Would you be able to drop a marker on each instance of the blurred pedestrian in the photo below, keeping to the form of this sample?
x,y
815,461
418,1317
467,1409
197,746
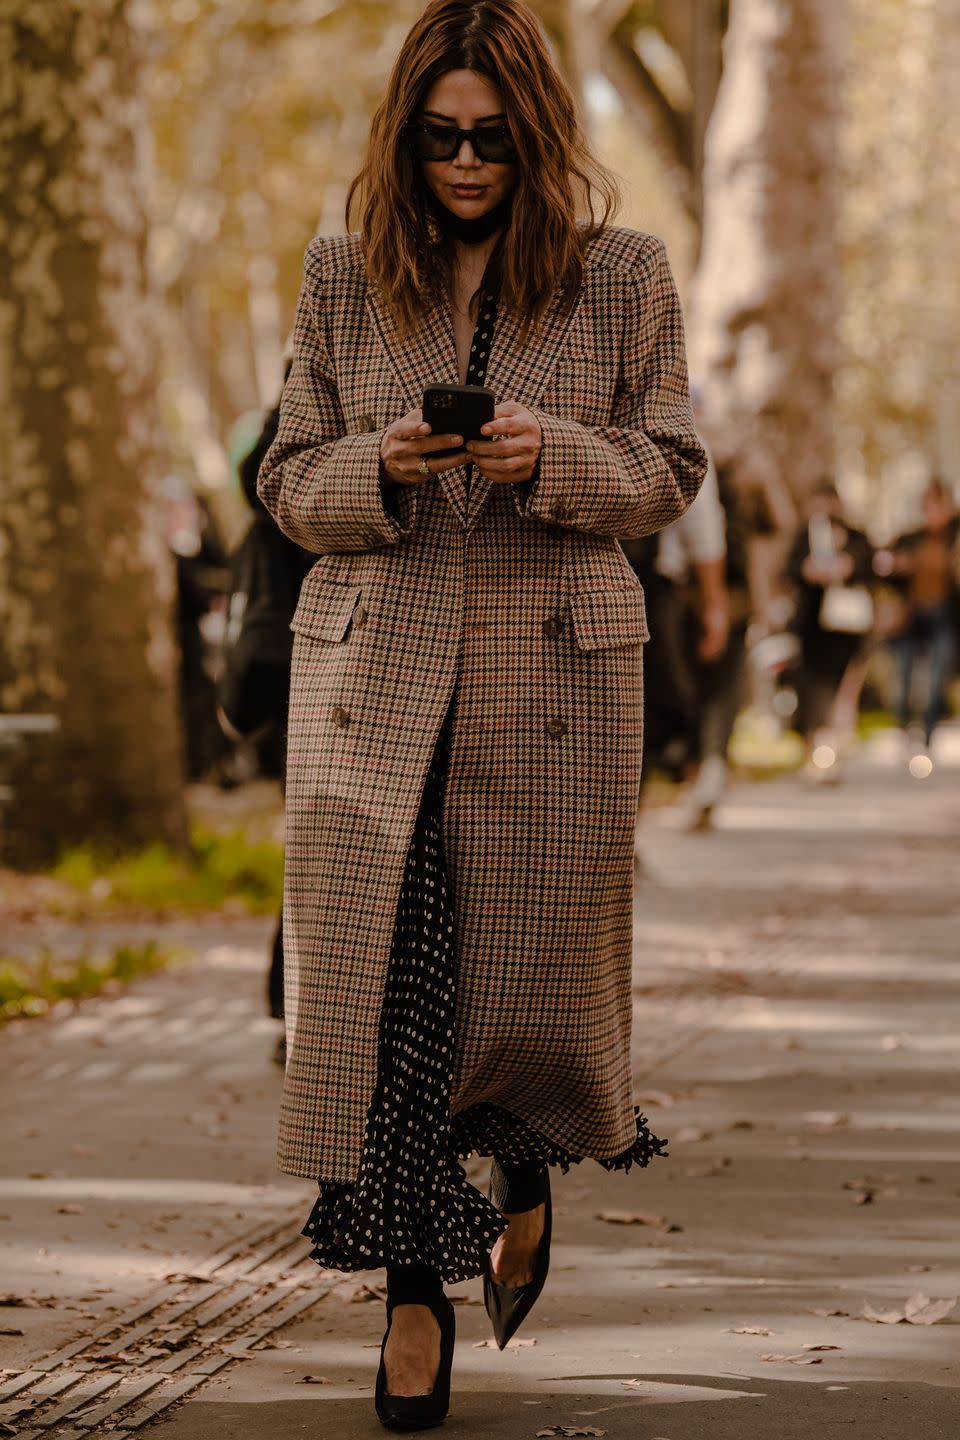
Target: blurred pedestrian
x,y
465,726
202,573
682,572
721,679
923,565
831,568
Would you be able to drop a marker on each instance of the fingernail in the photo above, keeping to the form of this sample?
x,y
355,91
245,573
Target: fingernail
x,y
456,439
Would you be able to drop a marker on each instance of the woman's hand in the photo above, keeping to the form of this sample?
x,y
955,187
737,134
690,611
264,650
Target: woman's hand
x,y
510,456
407,445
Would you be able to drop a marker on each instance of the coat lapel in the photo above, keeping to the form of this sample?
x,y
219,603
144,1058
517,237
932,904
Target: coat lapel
x,y
427,357
520,372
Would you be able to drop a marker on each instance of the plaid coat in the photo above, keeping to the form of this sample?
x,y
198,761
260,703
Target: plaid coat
x,y
522,601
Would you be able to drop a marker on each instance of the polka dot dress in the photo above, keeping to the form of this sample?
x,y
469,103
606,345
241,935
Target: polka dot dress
x,y
411,1200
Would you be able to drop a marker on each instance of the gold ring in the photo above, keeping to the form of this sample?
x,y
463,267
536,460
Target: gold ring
x,y
423,467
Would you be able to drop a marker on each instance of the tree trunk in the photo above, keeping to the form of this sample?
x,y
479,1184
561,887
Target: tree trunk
x,y
765,303
87,583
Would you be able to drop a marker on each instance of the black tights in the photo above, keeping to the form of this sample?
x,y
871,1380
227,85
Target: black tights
x,y
517,1188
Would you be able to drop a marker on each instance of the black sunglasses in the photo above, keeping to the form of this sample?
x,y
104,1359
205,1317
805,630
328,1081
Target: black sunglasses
x,y
493,144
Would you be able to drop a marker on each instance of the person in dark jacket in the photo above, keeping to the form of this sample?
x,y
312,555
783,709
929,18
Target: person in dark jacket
x,y
923,564
831,566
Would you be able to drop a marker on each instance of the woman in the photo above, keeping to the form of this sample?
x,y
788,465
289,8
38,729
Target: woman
x,y
465,734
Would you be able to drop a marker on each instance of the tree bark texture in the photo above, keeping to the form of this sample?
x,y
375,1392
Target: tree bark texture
x,y
766,294
85,577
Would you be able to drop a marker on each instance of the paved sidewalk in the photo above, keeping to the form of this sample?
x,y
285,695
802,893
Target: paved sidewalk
x,y
796,987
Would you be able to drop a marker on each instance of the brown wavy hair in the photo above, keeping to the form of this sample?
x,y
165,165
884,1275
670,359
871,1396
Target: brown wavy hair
x,y
563,196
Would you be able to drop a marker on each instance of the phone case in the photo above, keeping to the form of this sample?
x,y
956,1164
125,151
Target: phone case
x,y
457,410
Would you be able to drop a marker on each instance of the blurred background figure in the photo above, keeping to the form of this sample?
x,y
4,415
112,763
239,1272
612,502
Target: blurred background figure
x,y
831,568
254,688
202,581
682,572
923,565
720,670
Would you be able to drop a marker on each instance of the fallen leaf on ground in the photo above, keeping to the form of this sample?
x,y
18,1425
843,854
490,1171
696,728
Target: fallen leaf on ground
x,y
313,1380
829,1314
655,1097
366,1292
70,1210
569,1430
825,1119
795,1359
691,1135
631,1384
918,1269
751,1330
823,1347
882,1317
181,1277
8,1330
740,1125
921,1310
637,1217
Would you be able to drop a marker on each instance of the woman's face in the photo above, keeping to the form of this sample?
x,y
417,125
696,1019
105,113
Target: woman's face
x,y
466,184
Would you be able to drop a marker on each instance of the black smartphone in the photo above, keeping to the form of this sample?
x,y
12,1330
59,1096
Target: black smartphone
x,y
457,410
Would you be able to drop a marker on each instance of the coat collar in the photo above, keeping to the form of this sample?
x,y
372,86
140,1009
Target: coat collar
x,y
515,371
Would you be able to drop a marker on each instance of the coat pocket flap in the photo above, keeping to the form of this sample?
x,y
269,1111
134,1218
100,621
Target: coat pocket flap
x,y
605,618
324,610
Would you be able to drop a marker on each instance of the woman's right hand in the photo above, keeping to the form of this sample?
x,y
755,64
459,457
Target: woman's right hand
x,y
408,442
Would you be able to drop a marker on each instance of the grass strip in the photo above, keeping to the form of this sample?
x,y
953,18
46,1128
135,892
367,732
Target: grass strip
x,y
31,986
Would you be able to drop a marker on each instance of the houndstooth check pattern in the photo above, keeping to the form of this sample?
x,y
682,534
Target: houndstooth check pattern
x,y
518,605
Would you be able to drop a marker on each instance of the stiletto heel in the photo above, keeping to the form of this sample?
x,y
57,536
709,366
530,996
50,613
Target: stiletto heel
x,y
419,1412
509,1305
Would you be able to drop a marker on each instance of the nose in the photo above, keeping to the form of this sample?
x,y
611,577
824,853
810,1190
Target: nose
x,y
467,156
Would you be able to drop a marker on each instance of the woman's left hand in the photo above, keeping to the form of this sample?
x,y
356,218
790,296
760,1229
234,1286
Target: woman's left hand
x,y
512,456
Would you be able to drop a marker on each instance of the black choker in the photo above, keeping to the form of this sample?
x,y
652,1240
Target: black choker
x,y
472,232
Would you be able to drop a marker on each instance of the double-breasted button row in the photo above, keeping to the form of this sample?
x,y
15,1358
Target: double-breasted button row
x,y
556,728
340,717
561,511
366,425
360,616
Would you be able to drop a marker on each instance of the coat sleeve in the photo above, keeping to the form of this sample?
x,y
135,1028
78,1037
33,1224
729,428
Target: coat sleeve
x,y
322,486
639,473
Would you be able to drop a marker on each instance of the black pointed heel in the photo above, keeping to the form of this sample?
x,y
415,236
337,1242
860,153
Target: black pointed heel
x,y
419,1412
509,1305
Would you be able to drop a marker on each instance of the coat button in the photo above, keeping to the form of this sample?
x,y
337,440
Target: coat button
x,y
556,728
560,511
553,627
366,424
340,717
359,616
